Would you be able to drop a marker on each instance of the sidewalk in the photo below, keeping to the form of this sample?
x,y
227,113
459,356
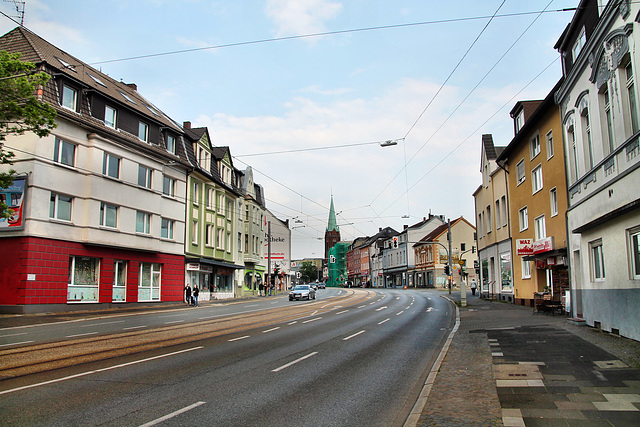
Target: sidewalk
x,y
507,366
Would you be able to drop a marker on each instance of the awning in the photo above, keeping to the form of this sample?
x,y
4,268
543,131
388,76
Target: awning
x,y
545,255
213,262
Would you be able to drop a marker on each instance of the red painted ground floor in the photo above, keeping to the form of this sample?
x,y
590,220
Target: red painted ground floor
x,y
39,274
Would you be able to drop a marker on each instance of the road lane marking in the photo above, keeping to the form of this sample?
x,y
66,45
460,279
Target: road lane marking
x,y
292,323
294,362
354,335
362,306
385,320
173,321
83,374
399,313
312,320
381,308
134,327
239,338
15,343
13,335
429,310
100,324
171,415
341,312
271,330
81,335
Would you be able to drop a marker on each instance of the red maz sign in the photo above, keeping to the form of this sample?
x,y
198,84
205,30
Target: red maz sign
x,y
524,247
543,245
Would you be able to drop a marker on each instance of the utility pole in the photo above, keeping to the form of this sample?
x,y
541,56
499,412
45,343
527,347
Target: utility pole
x,y
450,275
269,255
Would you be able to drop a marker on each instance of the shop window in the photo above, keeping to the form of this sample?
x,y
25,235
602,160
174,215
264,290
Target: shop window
x,y
149,284
83,279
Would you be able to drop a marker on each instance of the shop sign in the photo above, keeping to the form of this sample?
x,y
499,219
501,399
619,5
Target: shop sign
x,y
543,245
540,264
524,247
206,268
193,266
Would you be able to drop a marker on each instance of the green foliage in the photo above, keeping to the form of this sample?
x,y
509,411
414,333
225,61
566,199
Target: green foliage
x,y
308,271
20,109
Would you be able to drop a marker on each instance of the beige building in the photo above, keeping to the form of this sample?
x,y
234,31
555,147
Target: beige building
x,y
537,201
492,222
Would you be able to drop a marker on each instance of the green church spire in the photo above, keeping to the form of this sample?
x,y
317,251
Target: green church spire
x,y
333,223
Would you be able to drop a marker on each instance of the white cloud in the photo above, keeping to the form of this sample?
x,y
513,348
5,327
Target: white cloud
x,y
297,17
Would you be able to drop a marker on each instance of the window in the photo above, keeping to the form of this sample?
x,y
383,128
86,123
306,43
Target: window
x,y
64,152
520,172
571,137
111,166
526,269
119,281
171,144
125,96
579,44
220,203
96,79
488,219
166,229
144,176
108,215
194,233
519,121
540,227
168,186
69,98
196,193
597,260
498,222
110,115
534,146
220,238
149,285
208,235
553,195
60,207
550,151
480,227
633,104
504,211
211,198
586,125
83,279
536,179
524,218
143,132
634,240
143,222
608,117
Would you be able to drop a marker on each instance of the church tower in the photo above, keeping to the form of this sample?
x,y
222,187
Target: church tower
x,y
332,234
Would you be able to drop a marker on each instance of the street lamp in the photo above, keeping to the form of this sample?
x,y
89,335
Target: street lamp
x,y
389,143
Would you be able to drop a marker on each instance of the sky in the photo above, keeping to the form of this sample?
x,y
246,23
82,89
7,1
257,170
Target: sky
x,y
305,91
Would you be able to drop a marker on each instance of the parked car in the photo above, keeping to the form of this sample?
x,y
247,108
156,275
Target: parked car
x,y
302,292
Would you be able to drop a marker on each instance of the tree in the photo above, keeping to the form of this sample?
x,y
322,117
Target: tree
x,y
308,271
20,109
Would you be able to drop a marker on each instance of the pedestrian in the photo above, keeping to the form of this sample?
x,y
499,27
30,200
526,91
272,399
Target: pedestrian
x,y
260,289
196,292
187,294
473,286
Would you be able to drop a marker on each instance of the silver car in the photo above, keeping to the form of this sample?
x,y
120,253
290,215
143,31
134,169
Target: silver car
x,y
302,292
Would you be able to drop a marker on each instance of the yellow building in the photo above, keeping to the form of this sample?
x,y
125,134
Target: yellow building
x,y
534,160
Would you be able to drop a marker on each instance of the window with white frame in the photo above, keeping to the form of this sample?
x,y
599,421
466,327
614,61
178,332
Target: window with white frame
x,y
196,193
149,285
220,203
210,197
119,293
143,132
634,246
519,121
597,260
523,216
144,176
108,215
498,221
520,172
64,152
194,232
536,179
588,141
534,146
553,196
488,219
110,116
208,235
631,93
550,149
166,228
84,274
526,269
111,165
608,115
505,218
573,159
60,207
579,44
228,242
171,144
220,238
540,227
69,98
143,222
168,186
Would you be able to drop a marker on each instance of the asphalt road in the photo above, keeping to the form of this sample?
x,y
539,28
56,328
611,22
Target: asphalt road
x,y
352,357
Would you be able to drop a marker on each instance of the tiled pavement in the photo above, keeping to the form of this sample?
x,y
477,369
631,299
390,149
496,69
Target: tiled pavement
x,y
506,366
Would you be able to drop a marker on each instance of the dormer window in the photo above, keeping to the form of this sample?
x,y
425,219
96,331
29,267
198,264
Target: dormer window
x,y
519,121
69,98
143,132
171,144
110,114
579,44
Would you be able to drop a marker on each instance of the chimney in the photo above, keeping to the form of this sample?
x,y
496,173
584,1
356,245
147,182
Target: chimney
x,y
132,86
405,226
186,125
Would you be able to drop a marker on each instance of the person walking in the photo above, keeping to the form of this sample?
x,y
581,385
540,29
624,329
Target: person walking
x,y
187,294
196,292
473,286
260,289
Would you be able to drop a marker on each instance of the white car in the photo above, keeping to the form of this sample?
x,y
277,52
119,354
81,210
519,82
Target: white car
x,y
302,292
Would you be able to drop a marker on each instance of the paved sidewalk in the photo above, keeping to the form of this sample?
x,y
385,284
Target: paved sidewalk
x,y
507,366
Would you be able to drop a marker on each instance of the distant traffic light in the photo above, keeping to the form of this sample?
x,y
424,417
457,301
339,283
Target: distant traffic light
x,y
446,269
